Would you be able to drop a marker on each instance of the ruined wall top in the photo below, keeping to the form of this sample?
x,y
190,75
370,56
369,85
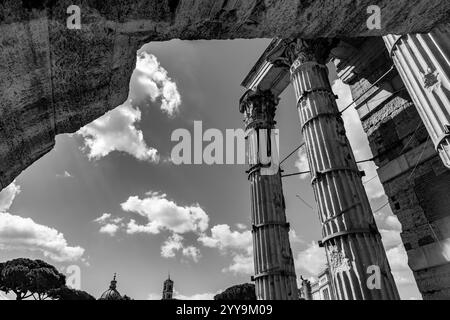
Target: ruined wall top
x,y
223,19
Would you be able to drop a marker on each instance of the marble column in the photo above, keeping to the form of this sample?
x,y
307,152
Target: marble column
x,y
423,62
274,277
358,264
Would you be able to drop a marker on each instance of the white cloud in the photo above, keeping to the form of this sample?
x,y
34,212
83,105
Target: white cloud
x,y
224,239
164,214
237,244
109,225
293,238
302,163
390,238
161,214
197,296
66,174
179,296
241,226
156,83
7,196
389,227
117,130
17,233
387,221
133,227
192,253
174,244
117,220
103,218
109,228
312,259
398,260
171,246
241,264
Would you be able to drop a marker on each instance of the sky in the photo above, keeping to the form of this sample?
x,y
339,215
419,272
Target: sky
x,y
107,199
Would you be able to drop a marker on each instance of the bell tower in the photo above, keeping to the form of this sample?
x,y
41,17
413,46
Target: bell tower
x,y
167,289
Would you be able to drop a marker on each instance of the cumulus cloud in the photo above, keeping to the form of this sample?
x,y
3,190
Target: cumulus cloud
x,y
237,244
312,259
224,239
398,260
171,245
161,214
390,238
17,233
117,130
241,264
7,196
109,228
389,227
388,221
108,224
294,238
156,83
192,253
174,244
164,214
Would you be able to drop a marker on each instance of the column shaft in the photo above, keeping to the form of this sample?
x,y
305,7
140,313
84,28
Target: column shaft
x,y
423,62
275,277
350,234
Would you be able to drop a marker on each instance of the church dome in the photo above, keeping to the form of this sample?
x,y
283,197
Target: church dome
x,y
111,293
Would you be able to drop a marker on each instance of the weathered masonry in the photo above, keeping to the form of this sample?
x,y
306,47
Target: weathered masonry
x,y
401,90
54,80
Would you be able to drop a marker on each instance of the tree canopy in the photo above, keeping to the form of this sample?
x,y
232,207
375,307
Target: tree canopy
x,y
66,293
29,278
244,291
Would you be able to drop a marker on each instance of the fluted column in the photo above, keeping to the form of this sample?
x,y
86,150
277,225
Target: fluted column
x,y
350,235
423,61
275,277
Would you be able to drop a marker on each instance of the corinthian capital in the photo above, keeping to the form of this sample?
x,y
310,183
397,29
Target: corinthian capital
x,y
303,50
258,108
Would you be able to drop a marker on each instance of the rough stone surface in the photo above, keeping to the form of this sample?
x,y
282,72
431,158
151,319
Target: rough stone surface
x,y
419,195
55,80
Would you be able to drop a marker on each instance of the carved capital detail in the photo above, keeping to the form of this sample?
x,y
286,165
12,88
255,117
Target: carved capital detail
x,y
299,51
338,262
258,108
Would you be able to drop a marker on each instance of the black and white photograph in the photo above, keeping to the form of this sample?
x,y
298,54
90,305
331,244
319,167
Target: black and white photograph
x,y
215,157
